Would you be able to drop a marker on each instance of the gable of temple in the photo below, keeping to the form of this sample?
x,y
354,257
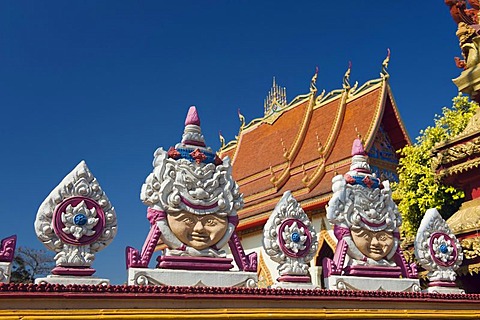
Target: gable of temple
x,y
301,145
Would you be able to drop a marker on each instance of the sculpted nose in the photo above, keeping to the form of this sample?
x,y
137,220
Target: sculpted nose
x,y
198,227
375,241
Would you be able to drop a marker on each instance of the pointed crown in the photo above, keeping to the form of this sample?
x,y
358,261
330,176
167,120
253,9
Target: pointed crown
x,y
193,147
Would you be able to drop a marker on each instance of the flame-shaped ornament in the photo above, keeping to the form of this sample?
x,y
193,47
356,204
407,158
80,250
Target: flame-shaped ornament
x,y
290,239
439,252
76,221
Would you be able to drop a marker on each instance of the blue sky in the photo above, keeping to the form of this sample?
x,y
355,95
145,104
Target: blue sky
x,y
110,81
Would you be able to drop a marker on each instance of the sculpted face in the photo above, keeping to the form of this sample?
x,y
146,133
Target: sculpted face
x,y
374,245
198,231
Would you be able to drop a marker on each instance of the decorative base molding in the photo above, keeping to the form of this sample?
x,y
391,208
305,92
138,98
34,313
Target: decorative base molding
x,y
294,285
194,263
191,278
66,280
441,289
5,271
372,284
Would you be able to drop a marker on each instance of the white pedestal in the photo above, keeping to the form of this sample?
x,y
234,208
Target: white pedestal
x,y
66,280
294,285
437,289
191,278
372,284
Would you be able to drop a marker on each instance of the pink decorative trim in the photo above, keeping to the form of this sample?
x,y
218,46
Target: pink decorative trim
x,y
371,224
335,266
154,215
447,284
194,263
408,270
198,206
373,271
192,117
72,271
233,220
7,248
68,238
290,278
194,143
340,232
244,262
116,292
135,259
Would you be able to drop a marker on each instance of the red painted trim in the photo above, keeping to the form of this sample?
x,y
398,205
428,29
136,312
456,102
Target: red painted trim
x,y
51,291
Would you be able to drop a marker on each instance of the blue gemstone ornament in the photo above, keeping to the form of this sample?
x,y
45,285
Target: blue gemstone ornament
x,y
443,248
80,219
295,237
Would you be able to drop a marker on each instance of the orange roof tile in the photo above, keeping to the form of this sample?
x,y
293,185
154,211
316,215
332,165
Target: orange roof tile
x,y
309,142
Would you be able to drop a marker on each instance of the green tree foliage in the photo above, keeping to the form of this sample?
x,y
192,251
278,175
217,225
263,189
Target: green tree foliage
x,y
29,264
418,189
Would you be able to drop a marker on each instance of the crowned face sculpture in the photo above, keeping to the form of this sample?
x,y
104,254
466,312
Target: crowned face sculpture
x,y
191,196
366,222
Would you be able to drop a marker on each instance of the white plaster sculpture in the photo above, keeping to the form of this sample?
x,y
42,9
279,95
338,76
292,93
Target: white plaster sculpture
x,y
439,252
290,239
366,222
76,221
192,202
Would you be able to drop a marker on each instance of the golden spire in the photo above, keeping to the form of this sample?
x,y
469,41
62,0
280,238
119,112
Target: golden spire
x,y
346,77
384,73
276,99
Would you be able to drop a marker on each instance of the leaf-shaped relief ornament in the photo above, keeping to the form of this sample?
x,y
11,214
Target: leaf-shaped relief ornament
x,y
436,248
289,237
83,219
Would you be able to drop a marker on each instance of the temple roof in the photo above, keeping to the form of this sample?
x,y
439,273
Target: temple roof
x,y
300,146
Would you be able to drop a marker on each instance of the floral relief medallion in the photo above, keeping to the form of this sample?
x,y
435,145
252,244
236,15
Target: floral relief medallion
x,y
442,249
294,238
78,221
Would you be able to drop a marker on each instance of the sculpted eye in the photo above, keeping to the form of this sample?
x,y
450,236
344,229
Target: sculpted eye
x,y
211,222
188,221
383,237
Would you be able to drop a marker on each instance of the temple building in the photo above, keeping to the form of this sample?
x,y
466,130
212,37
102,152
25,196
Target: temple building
x,y
301,145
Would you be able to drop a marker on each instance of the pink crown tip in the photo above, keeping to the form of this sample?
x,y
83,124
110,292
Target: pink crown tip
x,y
357,147
192,117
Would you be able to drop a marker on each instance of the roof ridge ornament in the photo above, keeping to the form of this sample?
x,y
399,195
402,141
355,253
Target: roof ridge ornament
x,y
276,99
384,74
313,82
346,77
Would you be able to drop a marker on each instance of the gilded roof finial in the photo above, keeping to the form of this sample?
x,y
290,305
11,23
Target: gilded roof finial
x,y
276,99
346,77
313,88
222,140
384,73
242,120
